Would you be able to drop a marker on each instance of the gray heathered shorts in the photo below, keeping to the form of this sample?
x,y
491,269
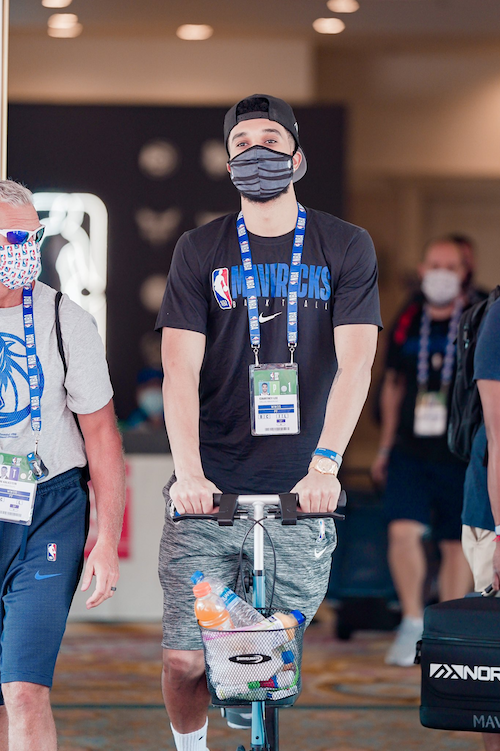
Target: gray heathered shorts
x,y
303,557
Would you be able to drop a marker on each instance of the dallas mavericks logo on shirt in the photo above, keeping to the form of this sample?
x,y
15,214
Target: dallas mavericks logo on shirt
x,y
14,381
220,286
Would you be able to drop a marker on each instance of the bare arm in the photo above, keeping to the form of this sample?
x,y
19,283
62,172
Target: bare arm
x,y
182,357
355,345
489,392
104,452
391,396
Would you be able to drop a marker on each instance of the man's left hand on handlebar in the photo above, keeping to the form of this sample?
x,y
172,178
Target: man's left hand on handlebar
x,y
318,493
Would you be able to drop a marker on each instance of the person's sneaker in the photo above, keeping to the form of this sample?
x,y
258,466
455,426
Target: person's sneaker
x,y
237,717
402,650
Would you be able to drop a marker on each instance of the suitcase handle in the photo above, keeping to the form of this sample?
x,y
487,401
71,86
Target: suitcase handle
x,y
489,591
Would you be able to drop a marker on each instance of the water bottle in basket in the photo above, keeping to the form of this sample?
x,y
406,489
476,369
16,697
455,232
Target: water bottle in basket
x,y
241,612
282,625
210,609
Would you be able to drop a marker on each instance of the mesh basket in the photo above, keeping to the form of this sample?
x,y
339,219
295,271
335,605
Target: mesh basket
x,y
251,665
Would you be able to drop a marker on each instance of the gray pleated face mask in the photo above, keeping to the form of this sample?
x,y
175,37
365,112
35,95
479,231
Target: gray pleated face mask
x,y
261,174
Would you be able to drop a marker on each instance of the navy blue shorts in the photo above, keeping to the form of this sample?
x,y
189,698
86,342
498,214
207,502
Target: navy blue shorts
x,y
36,592
427,492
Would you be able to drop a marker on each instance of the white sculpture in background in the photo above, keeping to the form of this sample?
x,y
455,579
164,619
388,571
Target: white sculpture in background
x,y
82,261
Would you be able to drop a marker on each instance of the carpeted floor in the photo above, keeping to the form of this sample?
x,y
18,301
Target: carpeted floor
x,y
107,696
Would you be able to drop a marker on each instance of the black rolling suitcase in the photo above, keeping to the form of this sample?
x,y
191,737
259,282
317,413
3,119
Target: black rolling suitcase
x,y
360,581
460,660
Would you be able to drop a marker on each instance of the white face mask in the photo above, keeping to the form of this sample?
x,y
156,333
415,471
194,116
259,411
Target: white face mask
x,y
440,286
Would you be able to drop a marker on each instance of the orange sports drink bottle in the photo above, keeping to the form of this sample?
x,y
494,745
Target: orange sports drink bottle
x,y
210,609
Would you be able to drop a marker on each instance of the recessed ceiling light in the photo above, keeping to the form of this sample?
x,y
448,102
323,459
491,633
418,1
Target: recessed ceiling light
x,y
343,6
64,25
328,25
194,32
62,20
56,3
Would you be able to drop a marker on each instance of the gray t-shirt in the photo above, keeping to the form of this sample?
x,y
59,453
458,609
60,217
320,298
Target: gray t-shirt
x,y
85,389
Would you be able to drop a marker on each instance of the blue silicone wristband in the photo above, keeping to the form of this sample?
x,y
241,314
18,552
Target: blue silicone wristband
x,y
330,454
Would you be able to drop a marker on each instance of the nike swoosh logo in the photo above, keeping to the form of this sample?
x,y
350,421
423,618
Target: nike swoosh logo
x,y
319,553
263,318
40,576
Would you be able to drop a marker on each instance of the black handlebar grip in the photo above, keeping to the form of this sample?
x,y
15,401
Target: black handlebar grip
x,y
342,500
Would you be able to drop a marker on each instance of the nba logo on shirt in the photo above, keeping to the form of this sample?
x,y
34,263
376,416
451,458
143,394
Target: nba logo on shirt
x,y
52,551
220,286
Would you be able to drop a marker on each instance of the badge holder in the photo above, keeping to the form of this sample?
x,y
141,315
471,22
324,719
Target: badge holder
x,y
17,489
274,399
431,414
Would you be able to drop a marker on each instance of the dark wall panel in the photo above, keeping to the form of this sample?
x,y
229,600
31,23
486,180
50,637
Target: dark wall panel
x,y
95,149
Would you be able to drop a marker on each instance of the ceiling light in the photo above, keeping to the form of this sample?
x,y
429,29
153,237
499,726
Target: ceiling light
x,y
328,25
62,20
343,6
194,32
64,25
56,3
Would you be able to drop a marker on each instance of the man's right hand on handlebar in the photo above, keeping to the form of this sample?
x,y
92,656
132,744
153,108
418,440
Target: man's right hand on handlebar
x,y
193,495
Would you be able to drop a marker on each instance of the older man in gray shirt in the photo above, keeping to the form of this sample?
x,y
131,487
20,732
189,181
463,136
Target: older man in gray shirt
x,y
44,496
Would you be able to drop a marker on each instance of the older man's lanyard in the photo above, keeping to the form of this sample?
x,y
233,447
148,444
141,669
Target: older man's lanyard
x,y
431,411
18,473
274,387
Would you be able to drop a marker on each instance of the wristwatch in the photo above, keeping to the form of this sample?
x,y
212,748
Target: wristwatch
x,y
324,464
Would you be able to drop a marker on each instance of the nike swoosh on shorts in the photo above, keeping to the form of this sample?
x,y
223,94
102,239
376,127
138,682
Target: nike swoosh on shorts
x,y
40,576
319,553
263,318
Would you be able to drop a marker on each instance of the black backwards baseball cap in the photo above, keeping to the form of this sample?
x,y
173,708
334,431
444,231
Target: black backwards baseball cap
x,y
270,108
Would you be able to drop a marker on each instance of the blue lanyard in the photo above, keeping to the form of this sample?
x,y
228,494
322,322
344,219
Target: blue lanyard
x,y
33,373
423,352
293,282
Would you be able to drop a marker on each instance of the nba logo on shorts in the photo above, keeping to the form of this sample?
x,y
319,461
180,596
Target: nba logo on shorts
x,y
220,286
51,551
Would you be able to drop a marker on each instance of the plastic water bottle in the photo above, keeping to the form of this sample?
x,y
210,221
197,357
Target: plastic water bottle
x,y
241,612
243,692
281,626
209,608
283,694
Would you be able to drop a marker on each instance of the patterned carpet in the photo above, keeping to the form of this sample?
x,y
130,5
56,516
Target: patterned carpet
x,y
107,696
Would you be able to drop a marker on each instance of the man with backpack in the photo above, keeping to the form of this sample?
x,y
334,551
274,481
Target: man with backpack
x,y
424,480
481,514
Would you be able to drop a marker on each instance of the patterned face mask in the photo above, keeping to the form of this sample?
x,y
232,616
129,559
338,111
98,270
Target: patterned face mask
x,y
19,264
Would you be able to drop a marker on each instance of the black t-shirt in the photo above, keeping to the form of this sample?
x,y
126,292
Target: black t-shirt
x,y
206,292
402,356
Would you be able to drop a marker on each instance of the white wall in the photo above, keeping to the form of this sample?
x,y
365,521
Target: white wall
x,y
138,595
417,112
156,70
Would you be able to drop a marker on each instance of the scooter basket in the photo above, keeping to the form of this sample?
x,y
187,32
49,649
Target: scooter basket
x,y
245,665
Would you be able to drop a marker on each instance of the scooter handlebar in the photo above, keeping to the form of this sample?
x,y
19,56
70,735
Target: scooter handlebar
x,y
231,505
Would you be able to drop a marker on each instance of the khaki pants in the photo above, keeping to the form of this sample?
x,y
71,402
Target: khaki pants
x,y
479,546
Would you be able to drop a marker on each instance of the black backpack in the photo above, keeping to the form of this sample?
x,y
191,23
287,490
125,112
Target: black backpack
x,y
466,414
